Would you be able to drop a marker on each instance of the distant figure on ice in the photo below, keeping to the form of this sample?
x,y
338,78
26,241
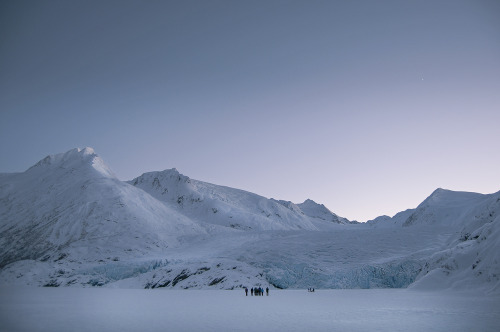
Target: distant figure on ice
x,y
267,291
246,291
251,291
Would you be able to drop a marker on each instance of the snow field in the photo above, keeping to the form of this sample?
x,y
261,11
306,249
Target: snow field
x,y
104,309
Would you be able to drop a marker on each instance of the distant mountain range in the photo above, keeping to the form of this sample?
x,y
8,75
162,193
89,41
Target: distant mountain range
x,y
68,221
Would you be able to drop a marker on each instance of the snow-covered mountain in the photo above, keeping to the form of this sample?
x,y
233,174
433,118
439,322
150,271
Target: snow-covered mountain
x,y
319,211
445,207
386,221
472,254
209,203
469,224
69,221
70,207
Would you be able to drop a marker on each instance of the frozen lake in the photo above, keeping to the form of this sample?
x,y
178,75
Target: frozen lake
x,y
105,309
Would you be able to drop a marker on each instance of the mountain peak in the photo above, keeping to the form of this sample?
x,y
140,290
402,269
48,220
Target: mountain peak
x,y
438,194
440,191
442,196
86,151
310,202
320,211
75,158
172,171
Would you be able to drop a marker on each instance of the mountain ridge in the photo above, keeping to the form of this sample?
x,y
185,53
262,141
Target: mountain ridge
x,y
219,205
68,221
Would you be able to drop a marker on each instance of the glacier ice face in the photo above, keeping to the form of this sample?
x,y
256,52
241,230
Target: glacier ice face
x,y
390,275
68,221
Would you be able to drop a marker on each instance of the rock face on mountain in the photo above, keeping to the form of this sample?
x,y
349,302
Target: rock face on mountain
x,y
68,221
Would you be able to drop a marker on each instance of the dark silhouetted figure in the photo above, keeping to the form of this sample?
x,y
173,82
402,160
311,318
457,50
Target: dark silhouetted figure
x,y
267,291
251,291
246,291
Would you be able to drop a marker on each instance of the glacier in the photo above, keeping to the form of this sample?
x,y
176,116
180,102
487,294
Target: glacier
x,y
68,221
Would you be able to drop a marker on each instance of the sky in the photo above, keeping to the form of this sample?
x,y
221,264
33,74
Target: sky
x,y
364,106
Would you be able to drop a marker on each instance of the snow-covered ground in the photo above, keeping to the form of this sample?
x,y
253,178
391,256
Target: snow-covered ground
x,y
104,309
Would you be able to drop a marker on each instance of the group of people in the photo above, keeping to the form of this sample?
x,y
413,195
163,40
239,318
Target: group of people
x,y
257,291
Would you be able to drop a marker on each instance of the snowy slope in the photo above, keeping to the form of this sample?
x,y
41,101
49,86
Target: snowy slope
x,y
386,221
70,207
319,211
209,203
445,207
69,221
472,254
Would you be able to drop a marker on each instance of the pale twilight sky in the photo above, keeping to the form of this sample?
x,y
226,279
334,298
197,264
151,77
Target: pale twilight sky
x,y
364,106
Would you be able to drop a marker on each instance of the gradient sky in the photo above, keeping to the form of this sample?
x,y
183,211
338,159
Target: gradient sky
x,y
364,106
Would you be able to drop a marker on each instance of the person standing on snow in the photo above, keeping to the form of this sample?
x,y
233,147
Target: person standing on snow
x,y
246,291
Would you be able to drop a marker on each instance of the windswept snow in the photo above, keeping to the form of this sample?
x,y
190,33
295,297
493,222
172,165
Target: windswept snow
x,y
68,221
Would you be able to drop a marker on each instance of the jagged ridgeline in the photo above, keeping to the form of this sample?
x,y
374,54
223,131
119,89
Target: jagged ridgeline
x,y
68,221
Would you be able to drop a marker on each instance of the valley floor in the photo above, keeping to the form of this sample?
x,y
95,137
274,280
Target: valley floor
x,y
105,309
